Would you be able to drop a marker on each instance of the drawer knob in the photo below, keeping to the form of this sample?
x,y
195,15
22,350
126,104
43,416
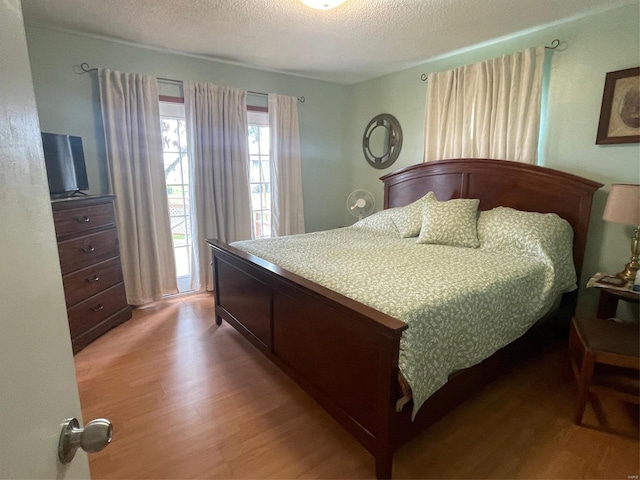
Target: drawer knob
x,y
98,308
88,248
83,219
93,279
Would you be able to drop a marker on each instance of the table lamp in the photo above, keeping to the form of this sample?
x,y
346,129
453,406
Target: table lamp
x,y
623,206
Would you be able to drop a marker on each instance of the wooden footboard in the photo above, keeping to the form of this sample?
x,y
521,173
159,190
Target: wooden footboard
x,y
343,353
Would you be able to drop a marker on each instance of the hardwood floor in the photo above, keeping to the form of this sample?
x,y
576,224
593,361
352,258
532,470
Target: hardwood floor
x,y
189,399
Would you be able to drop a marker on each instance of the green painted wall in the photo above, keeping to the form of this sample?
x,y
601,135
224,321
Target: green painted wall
x,y
69,103
334,116
591,47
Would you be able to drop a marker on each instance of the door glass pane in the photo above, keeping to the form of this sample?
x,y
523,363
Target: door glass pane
x,y
176,168
255,197
264,140
182,262
254,169
172,166
185,169
259,173
266,224
170,139
254,139
182,134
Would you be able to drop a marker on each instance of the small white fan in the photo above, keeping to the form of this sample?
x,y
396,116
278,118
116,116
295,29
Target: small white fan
x,y
360,203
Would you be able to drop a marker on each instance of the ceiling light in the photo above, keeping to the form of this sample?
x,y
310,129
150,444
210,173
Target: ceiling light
x,y
322,4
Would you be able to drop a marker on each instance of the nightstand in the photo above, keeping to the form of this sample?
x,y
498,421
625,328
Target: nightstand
x,y
609,298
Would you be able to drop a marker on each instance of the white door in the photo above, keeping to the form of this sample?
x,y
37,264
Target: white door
x,y
38,390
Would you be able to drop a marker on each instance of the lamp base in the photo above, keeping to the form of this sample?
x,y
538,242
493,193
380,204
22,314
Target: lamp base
x,y
631,268
629,272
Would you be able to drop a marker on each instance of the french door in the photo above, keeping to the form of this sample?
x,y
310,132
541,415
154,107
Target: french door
x,y
176,171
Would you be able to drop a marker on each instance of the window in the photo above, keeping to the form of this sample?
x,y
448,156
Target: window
x,y
176,171
259,173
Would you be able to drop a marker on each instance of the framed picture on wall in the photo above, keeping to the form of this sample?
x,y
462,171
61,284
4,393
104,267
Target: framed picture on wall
x,y
620,111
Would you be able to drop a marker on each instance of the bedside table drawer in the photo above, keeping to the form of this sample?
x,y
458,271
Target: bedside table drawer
x,y
89,281
84,251
91,312
77,221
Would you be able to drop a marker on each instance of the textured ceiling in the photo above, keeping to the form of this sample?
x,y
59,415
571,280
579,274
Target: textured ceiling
x,y
358,40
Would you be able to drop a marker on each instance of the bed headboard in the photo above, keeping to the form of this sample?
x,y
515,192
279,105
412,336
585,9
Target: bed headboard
x,y
499,183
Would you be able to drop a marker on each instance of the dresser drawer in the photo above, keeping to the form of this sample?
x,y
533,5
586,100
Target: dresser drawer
x,y
92,311
84,251
77,221
89,281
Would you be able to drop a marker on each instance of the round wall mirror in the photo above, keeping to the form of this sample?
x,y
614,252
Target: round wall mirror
x,y
382,141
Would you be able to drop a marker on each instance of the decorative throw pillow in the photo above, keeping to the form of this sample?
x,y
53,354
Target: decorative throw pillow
x,y
450,223
408,219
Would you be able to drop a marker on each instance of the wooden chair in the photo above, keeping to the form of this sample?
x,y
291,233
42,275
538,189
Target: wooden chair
x,y
605,360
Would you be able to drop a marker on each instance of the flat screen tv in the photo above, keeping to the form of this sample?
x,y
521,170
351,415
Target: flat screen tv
x,y
66,169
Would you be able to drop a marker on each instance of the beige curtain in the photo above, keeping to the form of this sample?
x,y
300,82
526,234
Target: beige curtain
x,y
131,118
287,211
486,110
218,149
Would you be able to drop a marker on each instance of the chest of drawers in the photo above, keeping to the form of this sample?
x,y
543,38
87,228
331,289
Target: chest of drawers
x,y
90,263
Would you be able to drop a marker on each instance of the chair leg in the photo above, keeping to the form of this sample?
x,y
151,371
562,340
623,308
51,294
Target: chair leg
x,y
574,352
584,382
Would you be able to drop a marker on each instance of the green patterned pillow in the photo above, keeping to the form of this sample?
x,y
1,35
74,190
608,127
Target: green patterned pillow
x,y
380,221
541,235
450,223
408,219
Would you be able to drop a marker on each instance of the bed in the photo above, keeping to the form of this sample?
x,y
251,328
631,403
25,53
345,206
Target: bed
x,y
345,353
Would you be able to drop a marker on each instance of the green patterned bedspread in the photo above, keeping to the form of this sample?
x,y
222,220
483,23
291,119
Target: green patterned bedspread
x,y
461,304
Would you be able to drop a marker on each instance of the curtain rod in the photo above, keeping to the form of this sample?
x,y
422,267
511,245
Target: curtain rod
x,y
84,66
301,98
555,43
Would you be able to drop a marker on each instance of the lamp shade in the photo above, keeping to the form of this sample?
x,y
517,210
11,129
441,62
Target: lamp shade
x,y
623,205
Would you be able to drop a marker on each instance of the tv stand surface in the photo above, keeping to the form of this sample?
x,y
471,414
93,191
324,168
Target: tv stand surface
x,y
80,193
90,262
67,195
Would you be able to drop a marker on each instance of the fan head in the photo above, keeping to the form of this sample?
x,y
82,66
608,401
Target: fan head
x,y
360,203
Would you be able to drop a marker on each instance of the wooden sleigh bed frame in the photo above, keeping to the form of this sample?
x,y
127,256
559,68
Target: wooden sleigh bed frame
x,y
344,353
